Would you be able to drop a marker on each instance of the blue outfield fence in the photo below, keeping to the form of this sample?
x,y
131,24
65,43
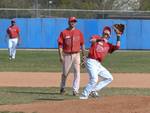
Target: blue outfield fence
x,y
44,32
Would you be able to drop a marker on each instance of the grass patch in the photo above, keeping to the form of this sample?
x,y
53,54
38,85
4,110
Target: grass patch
x,y
19,95
30,61
48,61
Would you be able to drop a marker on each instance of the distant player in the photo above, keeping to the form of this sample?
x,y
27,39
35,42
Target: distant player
x,y
13,36
69,43
100,47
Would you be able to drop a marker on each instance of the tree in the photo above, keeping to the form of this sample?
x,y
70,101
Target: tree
x,y
68,4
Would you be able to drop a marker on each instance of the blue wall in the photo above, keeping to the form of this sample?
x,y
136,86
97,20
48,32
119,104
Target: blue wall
x,y
43,32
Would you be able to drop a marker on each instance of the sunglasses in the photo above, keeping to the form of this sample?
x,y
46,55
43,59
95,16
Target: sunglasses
x,y
107,34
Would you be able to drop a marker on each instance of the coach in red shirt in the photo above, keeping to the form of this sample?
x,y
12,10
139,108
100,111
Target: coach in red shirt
x,y
13,36
100,47
69,43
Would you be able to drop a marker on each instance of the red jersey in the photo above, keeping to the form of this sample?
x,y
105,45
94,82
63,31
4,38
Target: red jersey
x,y
13,31
70,40
99,50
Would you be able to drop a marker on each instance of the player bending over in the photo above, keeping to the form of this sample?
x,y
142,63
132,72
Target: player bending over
x,y
100,47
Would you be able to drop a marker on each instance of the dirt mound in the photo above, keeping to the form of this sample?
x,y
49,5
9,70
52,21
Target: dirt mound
x,y
111,104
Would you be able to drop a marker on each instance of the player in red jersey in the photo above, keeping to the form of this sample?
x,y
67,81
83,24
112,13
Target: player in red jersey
x,y
13,36
100,47
69,43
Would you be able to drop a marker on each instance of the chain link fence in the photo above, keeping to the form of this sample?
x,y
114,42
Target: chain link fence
x,y
65,13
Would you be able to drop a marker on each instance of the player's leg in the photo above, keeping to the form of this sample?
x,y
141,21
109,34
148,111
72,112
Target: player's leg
x,y
106,78
14,45
66,68
62,84
76,68
10,44
92,68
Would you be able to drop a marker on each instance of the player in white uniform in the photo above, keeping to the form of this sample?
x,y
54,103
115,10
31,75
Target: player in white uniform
x,y
100,47
13,39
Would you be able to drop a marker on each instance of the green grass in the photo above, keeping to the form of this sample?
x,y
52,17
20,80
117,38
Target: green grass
x,y
48,61
31,61
129,62
19,95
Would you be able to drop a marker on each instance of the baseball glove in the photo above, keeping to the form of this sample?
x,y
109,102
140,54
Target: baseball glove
x,y
119,28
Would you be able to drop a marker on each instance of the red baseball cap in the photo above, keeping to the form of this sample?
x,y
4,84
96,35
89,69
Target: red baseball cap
x,y
72,19
107,30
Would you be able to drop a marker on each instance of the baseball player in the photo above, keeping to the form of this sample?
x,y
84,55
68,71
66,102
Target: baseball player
x,y
69,43
100,47
13,39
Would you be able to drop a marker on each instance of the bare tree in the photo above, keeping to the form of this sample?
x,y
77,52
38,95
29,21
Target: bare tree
x,y
126,4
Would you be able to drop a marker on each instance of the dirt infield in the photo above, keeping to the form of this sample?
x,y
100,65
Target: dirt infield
x,y
39,79
111,104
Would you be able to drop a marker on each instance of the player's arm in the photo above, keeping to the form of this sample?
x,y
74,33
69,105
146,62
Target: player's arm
x,y
7,35
82,50
95,38
119,29
60,47
19,38
82,44
60,50
118,40
115,47
118,34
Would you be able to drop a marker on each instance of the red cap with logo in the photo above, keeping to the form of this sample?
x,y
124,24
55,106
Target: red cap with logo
x,y
107,30
72,19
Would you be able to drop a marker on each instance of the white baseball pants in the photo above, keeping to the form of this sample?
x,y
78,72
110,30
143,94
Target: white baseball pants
x,y
12,44
96,70
71,60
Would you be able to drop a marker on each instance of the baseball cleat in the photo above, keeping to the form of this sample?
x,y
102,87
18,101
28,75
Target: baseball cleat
x,y
94,94
13,58
62,91
10,58
83,97
75,93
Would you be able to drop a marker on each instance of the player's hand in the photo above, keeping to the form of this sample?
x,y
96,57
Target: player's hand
x,y
61,59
